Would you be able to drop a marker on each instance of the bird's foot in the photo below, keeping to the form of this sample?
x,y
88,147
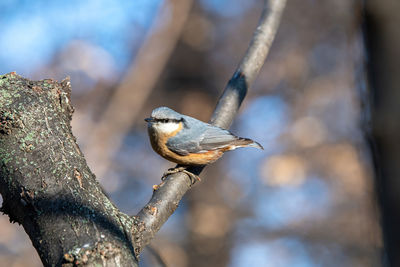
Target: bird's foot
x,y
193,177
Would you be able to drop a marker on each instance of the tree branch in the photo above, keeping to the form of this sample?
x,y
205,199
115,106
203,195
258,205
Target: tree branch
x,y
46,184
248,69
167,195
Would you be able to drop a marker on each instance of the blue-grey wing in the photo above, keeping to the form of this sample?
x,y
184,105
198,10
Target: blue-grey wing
x,y
182,147
216,138
200,138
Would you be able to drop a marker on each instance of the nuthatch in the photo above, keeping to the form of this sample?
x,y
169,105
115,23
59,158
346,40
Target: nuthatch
x,y
188,141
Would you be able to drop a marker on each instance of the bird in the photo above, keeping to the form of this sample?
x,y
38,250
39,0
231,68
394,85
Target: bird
x,y
190,142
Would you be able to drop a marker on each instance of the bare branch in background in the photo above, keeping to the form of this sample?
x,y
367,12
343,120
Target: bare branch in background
x,y
129,98
167,195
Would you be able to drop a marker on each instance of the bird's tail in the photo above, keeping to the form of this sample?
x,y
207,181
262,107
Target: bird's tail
x,y
246,142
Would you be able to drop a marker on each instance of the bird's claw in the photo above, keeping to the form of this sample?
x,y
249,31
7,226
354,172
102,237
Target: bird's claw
x,y
193,177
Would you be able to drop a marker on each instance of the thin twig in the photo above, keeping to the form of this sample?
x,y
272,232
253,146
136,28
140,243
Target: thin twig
x,y
167,195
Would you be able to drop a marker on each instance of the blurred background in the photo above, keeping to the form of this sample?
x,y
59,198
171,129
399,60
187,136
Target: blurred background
x,y
306,200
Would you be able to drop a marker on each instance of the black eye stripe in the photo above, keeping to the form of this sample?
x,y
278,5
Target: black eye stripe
x,y
169,120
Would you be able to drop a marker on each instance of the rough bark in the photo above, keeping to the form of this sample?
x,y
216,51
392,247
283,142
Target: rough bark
x,y
47,186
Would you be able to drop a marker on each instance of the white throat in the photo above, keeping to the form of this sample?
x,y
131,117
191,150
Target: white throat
x,y
166,127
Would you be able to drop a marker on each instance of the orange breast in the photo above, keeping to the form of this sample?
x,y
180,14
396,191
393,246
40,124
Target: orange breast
x,y
158,142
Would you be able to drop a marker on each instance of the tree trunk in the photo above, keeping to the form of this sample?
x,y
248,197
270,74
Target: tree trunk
x,y
383,54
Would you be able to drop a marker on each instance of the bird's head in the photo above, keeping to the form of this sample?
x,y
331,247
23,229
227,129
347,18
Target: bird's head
x,y
164,120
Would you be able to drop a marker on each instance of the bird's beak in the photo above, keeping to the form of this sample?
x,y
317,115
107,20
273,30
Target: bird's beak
x,y
149,119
